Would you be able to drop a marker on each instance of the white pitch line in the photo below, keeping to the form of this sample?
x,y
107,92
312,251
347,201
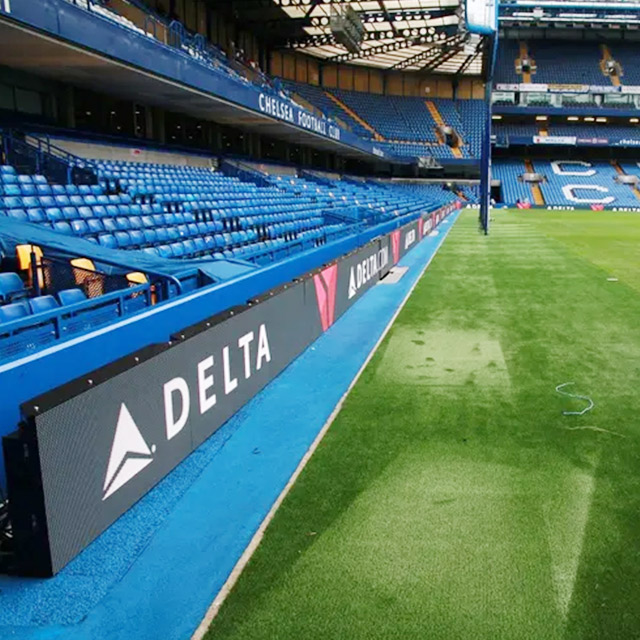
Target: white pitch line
x,y
237,570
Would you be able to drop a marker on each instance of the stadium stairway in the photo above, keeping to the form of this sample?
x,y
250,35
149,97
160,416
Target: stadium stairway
x,y
607,57
524,55
439,120
355,116
538,198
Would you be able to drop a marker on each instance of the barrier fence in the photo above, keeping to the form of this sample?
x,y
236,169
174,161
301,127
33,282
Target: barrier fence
x,y
88,450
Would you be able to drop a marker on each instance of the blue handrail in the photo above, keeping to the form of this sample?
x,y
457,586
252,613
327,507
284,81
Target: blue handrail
x,y
57,315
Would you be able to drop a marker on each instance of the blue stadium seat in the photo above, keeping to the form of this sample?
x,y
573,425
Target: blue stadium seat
x,y
107,240
137,237
15,311
42,304
110,224
95,225
123,223
123,239
63,227
18,214
150,236
79,227
36,215
11,287
47,201
54,214
71,296
29,202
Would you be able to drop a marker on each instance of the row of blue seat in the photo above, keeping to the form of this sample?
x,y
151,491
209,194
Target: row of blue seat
x,y
28,189
40,304
27,202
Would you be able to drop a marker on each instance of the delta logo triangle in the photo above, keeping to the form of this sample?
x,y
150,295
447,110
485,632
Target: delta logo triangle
x,y
353,289
130,454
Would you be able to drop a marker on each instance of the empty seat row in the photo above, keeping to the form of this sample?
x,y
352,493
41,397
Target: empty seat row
x,y
40,304
89,200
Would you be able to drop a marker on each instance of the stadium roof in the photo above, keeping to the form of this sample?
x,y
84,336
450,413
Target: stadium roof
x,y
399,34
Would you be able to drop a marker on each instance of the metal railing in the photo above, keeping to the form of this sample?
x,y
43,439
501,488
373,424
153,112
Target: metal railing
x,y
31,155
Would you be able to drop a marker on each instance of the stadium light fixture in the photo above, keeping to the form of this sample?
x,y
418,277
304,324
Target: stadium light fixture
x,y
601,120
542,118
589,119
496,117
634,120
573,118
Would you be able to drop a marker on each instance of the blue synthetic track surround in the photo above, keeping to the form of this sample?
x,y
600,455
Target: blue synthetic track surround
x,y
155,572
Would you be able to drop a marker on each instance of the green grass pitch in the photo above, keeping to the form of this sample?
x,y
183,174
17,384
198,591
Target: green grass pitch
x,y
452,499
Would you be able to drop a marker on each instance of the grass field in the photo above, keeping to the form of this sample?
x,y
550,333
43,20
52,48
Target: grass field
x,y
451,499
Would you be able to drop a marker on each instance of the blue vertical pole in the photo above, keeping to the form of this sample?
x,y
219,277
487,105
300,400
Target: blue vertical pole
x,y
485,163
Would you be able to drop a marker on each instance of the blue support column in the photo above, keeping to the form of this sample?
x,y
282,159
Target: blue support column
x,y
485,166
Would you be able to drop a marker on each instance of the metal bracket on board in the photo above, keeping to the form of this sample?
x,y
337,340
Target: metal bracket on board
x,y
394,276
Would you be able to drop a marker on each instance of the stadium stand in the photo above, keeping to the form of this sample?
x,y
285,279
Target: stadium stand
x,y
175,213
405,126
611,132
568,183
581,183
505,72
321,99
509,173
580,63
627,55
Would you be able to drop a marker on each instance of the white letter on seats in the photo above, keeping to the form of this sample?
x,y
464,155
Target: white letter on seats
x,y
570,192
205,382
244,343
174,427
560,168
229,383
263,347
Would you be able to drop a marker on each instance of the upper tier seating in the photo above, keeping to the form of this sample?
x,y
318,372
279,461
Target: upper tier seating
x,y
393,117
629,58
405,123
505,72
581,131
320,99
580,63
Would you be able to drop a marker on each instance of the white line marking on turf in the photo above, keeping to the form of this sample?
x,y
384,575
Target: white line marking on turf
x,y
566,515
237,570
